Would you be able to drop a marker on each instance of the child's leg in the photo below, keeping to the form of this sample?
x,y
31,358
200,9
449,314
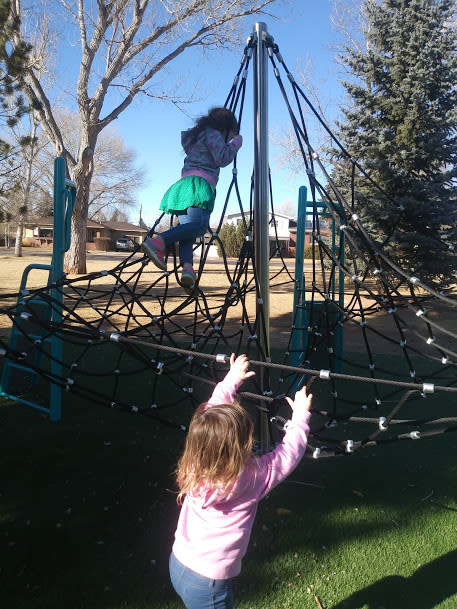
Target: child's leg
x,y
154,248
191,224
196,219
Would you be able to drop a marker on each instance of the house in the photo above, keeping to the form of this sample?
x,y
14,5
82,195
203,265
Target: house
x,y
40,232
278,230
286,232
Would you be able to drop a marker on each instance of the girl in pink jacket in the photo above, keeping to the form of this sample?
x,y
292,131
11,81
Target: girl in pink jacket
x,y
220,484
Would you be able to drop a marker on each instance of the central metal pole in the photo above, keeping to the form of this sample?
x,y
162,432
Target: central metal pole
x,y
261,207
261,189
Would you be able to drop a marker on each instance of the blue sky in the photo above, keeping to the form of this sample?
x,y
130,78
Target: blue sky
x,y
152,128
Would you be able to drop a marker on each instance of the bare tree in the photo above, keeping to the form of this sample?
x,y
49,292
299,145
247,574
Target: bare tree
x,y
351,25
28,153
322,99
115,178
27,177
124,44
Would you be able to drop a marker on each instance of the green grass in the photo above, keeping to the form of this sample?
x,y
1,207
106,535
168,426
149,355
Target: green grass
x,y
87,515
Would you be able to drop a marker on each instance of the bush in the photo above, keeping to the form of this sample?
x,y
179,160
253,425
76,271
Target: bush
x,y
102,244
308,251
30,242
232,238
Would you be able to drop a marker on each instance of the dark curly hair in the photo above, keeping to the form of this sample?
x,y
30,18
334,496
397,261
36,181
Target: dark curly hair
x,y
221,119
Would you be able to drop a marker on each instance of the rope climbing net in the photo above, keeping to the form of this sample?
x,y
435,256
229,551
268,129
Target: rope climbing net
x,y
376,345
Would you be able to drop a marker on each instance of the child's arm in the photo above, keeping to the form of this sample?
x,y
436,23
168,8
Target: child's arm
x,y
279,463
222,152
224,392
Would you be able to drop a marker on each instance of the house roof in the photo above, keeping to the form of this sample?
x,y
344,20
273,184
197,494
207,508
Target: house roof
x,y
117,226
124,226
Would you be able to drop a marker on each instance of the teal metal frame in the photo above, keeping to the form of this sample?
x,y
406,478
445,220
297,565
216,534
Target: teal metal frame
x,y
64,200
302,307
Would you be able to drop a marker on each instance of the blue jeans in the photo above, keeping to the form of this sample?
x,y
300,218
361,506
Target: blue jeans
x,y
197,591
193,222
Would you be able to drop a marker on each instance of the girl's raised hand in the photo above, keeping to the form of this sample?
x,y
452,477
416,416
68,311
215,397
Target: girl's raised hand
x,y
239,366
302,401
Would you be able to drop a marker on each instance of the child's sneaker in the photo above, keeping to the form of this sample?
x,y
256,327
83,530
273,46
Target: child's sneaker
x,y
154,248
188,277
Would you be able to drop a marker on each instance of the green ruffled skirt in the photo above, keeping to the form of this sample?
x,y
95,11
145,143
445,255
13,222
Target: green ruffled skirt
x,y
191,191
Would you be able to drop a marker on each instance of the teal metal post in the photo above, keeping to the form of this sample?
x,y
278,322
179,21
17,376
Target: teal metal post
x,y
339,334
301,305
298,342
64,200
55,275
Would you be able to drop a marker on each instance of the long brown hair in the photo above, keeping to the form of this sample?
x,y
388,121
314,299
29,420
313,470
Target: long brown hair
x,y
218,446
221,119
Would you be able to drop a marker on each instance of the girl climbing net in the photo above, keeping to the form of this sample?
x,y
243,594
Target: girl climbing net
x,y
210,144
220,483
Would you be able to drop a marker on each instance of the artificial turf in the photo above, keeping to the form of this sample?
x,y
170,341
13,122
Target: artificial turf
x,y
88,510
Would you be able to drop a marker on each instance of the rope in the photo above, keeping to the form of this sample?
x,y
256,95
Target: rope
x,y
134,341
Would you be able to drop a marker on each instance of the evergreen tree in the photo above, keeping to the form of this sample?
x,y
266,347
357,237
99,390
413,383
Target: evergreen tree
x,y
232,238
401,126
240,238
227,236
14,54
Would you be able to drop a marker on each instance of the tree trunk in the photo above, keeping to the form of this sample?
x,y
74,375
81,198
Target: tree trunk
x,y
75,257
19,236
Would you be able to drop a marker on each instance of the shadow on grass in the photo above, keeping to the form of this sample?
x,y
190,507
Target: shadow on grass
x,y
87,515
430,585
86,511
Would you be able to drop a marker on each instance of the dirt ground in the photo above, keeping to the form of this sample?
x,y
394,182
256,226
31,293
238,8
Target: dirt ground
x,y
12,268
281,298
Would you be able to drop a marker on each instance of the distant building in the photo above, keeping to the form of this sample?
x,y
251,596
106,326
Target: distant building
x,y
39,231
285,235
278,231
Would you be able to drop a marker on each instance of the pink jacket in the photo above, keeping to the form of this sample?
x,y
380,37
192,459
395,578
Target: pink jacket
x,y
212,535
